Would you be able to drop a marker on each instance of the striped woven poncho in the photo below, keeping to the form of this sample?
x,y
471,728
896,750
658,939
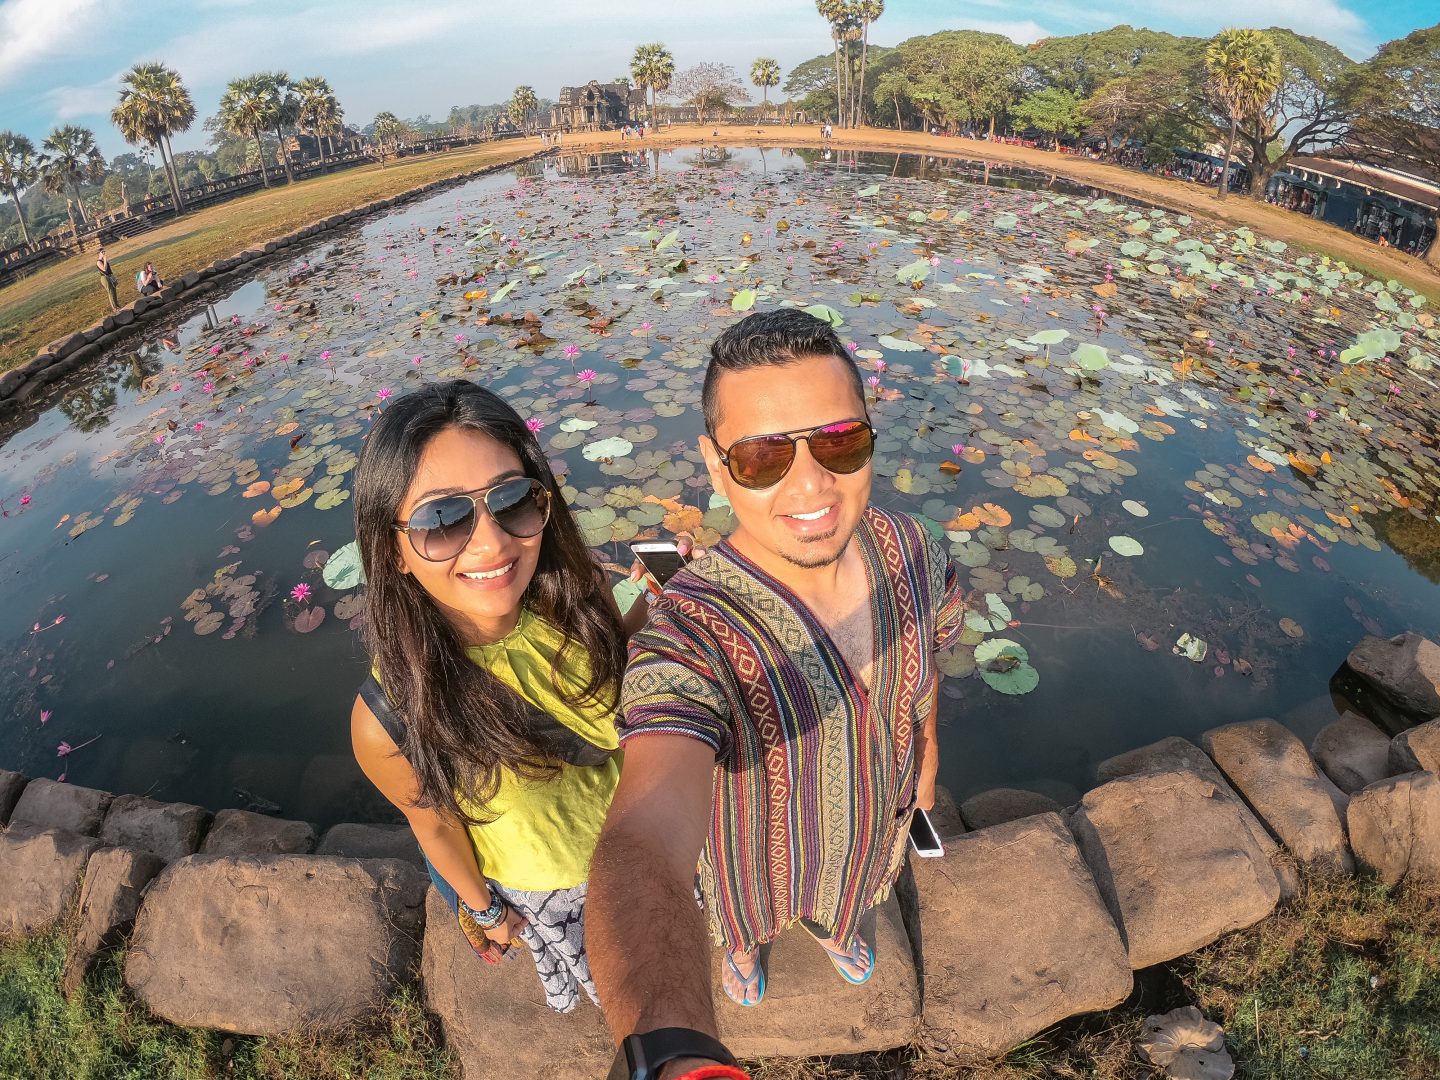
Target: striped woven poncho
x,y
814,777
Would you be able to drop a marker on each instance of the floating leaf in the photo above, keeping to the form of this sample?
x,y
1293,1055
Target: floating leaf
x,y
1192,648
744,300
994,615
1091,357
343,569
308,618
1005,666
613,447
918,270
1292,628
1126,545
1136,508
824,311
889,341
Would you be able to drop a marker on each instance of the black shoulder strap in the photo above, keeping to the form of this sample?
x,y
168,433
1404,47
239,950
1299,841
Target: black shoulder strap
x,y
569,747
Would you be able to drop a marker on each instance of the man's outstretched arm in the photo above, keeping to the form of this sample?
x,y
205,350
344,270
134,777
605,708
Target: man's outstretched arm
x,y
644,933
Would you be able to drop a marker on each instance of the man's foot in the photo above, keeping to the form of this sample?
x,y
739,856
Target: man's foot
x,y
742,978
855,965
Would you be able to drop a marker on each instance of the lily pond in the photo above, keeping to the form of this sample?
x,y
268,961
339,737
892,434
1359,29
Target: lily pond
x,y
1183,470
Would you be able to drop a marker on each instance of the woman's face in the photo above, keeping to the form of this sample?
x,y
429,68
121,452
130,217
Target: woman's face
x,y
480,589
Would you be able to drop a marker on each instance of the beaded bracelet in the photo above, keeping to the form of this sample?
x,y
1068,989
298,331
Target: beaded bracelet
x,y
491,917
715,1072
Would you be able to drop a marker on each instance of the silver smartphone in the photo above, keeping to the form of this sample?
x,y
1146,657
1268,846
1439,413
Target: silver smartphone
x,y
923,838
661,559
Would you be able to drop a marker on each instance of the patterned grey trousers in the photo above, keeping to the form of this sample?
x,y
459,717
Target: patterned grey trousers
x,y
555,932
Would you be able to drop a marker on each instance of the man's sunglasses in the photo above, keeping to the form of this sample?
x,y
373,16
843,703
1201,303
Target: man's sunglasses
x,y
761,461
441,528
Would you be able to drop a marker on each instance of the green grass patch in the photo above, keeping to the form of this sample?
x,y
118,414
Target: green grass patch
x,y
104,1034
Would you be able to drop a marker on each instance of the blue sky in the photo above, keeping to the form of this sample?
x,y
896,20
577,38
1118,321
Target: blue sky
x,y
60,59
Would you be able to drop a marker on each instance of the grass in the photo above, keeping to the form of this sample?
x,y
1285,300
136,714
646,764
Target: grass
x,y
67,296
1348,972
103,1034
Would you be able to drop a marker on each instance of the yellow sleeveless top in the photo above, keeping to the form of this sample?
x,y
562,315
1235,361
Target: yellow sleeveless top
x,y
539,834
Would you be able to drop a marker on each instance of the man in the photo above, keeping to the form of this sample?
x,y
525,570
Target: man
x,y
107,278
779,709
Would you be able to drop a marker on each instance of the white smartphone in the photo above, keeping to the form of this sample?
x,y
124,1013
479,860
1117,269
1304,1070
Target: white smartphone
x,y
923,838
661,558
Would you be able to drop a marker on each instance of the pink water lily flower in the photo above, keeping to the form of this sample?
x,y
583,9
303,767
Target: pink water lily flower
x,y
874,381
384,393
325,355
199,425
65,749
300,593
534,424
45,715
571,352
209,388
176,388
214,350
586,376
24,500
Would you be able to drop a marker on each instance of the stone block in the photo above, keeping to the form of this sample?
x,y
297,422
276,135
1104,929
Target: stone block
x,y
1271,768
239,832
53,805
266,945
371,842
169,830
12,784
493,1014
1175,862
999,805
124,317
1014,937
142,304
1417,748
1404,670
40,874
109,900
1353,752
10,382
809,1011
270,246
1395,828
1169,754
93,333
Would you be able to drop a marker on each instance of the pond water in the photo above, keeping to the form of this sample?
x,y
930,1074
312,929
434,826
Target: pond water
x,y
1127,426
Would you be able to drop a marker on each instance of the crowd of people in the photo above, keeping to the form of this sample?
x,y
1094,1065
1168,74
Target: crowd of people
x,y
502,691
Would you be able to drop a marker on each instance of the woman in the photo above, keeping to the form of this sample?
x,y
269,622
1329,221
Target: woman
x,y
500,650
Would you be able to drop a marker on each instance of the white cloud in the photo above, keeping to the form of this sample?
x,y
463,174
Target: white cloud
x,y
1324,19
33,31
69,102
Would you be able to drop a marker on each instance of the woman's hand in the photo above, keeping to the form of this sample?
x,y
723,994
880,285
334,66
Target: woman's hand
x,y
490,945
508,932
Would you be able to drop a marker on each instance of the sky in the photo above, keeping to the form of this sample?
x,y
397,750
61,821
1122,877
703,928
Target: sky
x,y
61,60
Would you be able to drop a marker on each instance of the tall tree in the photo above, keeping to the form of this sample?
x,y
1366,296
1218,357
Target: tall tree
x,y
893,87
1086,62
1056,112
320,113
765,73
154,105
710,87
868,11
246,108
652,67
523,104
18,171
388,130
836,13
286,114
71,158
1244,67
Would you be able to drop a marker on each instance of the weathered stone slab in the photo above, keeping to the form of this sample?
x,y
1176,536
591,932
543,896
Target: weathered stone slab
x,y
1014,936
239,832
10,382
1174,861
1416,748
53,805
1353,752
1395,828
109,899
497,1013
1405,670
1274,772
1169,754
999,805
11,786
189,279
262,945
169,830
810,1011
40,874
124,317
371,842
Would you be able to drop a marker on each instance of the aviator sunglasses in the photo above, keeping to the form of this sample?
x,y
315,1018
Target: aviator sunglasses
x,y
441,528
761,461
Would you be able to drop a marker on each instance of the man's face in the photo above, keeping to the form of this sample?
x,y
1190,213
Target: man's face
x,y
808,517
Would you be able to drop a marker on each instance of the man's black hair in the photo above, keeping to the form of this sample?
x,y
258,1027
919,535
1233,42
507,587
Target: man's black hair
x,y
771,339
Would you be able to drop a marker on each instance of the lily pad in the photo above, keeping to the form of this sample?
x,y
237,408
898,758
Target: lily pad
x,y
1126,545
613,447
1005,666
343,569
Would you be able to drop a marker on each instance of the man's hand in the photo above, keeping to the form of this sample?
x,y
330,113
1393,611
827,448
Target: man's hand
x,y
929,769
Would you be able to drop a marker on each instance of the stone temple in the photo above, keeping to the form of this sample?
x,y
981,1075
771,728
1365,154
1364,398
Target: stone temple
x,y
597,106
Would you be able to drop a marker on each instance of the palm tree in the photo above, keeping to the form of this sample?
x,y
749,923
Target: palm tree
x,y
71,158
868,11
246,108
18,170
765,73
154,105
388,129
287,112
320,113
834,12
523,104
652,67
1245,73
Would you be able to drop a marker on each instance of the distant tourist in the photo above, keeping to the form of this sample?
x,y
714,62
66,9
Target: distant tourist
x,y
107,278
147,281
497,650
779,710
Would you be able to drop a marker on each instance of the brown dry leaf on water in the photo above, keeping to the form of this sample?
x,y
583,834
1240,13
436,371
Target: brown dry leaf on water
x,y
1186,1046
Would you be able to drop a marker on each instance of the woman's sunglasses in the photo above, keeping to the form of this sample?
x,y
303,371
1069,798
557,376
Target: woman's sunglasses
x,y
761,461
441,528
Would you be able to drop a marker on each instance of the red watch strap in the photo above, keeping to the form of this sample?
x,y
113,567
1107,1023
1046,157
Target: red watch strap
x,y
714,1072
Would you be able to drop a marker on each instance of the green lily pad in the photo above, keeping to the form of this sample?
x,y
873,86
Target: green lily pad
x,y
343,570
1126,545
1005,666
613,447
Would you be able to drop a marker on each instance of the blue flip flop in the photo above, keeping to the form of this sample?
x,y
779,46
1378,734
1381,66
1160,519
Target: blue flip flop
x,y
757,975
837,957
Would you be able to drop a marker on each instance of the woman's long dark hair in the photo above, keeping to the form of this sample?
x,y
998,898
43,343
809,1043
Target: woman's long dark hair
x,y
464,726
